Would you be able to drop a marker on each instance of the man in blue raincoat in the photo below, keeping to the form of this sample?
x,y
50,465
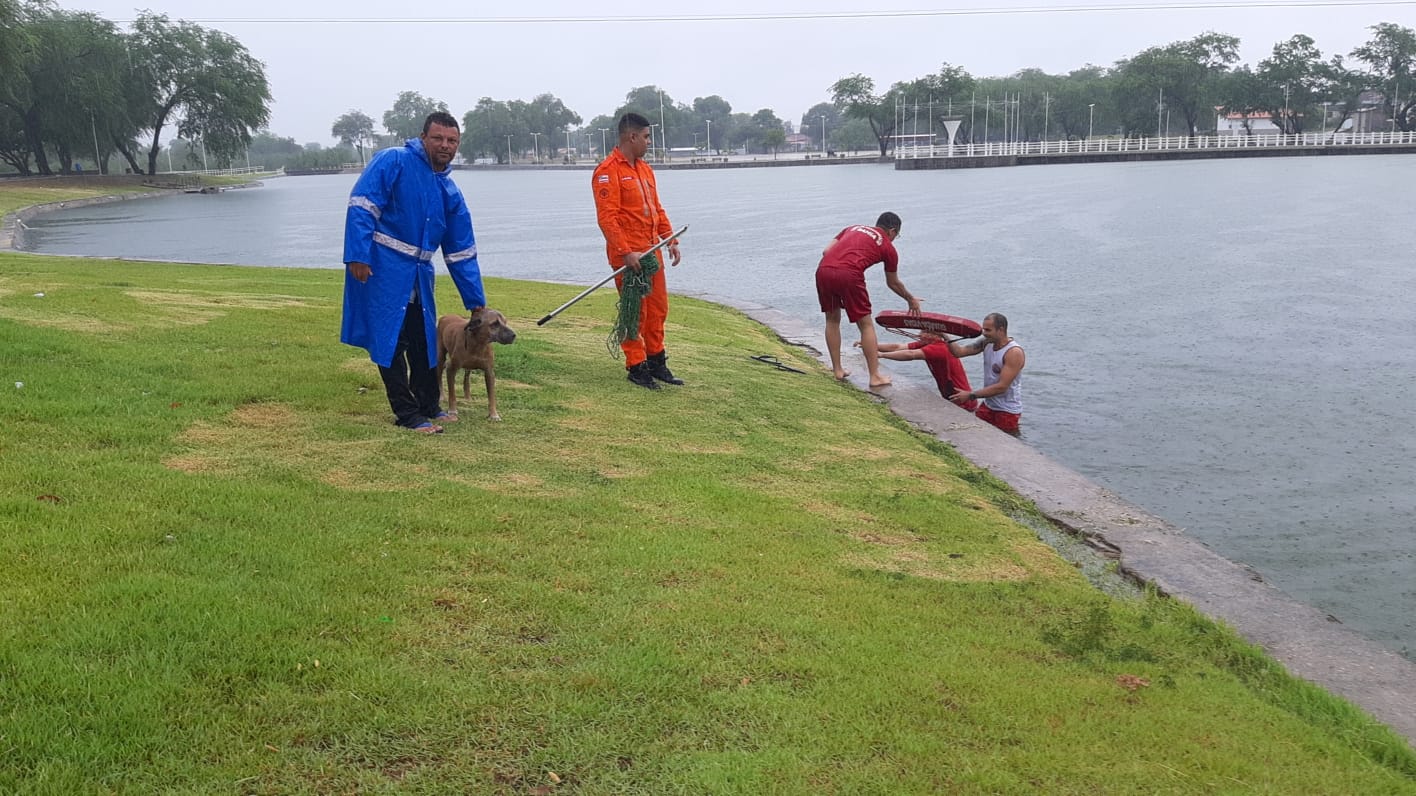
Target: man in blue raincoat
x,y
404,208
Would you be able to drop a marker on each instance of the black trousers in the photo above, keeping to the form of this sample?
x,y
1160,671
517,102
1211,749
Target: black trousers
x,y
411,385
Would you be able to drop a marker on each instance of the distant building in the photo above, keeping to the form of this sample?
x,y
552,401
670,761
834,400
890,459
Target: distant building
x,y
796,142
1258,123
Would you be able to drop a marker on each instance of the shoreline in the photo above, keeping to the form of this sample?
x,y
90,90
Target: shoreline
x,y
1149,550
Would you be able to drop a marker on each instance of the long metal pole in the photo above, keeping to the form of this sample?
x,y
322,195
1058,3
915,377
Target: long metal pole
x,y
1160,104
562,308
97,157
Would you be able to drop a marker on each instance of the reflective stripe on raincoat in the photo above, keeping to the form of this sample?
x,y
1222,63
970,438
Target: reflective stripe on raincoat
x,y
400,213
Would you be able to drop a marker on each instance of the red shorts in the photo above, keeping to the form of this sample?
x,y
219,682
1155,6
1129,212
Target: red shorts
x,y
838,288
1006,421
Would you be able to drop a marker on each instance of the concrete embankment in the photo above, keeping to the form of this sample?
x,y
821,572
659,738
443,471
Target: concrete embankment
x,y
1310,644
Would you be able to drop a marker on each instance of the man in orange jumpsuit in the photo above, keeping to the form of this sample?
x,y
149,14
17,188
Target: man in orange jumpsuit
x,y
632,220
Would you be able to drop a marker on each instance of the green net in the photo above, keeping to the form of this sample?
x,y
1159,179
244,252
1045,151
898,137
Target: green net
x,y
633,289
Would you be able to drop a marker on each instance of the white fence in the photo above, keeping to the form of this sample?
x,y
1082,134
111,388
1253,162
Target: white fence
x,y
225,172
1095,145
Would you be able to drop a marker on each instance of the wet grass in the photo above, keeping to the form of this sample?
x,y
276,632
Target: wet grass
x,y
226,571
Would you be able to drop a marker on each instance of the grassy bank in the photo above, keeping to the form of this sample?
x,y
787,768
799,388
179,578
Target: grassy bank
x,y
225,571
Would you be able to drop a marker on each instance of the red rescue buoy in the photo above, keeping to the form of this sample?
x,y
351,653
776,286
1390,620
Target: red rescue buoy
x,y
936,322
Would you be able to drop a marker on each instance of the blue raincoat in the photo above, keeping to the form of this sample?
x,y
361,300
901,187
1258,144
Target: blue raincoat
x,y
400,213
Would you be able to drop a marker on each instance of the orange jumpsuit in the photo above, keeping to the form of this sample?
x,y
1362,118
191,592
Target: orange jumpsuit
x,y
632,220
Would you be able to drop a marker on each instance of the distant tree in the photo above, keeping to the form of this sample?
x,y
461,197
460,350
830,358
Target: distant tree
x,y
1390,56
205,79
1242,92
484,130
16,43
1081,104
405,119
852,136
270,152
14,150
658,107
1184,75
548,117
856,96
760,129
773,140
1343,90
1290,82
67,79
812,122
354,129
714,114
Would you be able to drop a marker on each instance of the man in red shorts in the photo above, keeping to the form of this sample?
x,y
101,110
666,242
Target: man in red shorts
x,y
840,284
1003,361
947,370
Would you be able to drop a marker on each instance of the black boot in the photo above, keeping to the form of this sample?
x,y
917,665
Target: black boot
x,y
639,374
659,369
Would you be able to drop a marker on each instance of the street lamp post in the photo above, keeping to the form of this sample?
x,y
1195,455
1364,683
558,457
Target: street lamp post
x,y
535,150
567,142
664,131
508,149
1091,117
708,136
1286,123
823,135
603,150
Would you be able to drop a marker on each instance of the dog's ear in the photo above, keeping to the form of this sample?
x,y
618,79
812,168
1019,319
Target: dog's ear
x,y
475,321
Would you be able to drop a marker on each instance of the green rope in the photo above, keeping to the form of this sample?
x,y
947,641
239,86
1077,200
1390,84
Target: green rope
x,y
633,289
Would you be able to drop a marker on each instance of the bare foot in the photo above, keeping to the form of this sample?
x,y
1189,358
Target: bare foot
x,y
880,381
842,374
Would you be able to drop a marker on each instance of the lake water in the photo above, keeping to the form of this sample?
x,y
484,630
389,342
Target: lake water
x,y
1228,344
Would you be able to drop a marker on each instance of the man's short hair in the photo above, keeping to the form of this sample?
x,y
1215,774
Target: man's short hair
x,y
888,220
441,119
1000,321
632,121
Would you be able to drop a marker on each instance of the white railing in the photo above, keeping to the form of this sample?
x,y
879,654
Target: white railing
x,y
223,172
1099,145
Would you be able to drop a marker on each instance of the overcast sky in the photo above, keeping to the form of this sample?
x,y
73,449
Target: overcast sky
x,y
591,55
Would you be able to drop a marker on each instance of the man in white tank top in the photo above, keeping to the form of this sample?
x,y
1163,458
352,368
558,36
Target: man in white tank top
x,y
1003,361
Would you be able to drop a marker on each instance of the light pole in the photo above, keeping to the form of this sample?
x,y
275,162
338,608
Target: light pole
x,y
98,157
653,139
508,149
1286,124
708,136
664,131
1091,117
535,149
603,150
823,135
567,142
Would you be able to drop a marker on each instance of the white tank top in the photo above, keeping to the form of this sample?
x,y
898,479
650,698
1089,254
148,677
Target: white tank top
x,y
1010,401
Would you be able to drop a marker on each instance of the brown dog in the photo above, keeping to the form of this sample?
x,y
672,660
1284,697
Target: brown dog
x,y
466,344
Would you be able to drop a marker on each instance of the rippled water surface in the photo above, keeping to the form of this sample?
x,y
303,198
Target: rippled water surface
x,y
1229,344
